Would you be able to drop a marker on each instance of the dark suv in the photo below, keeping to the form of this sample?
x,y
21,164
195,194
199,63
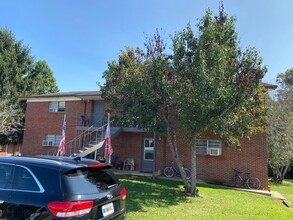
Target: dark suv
x,y
49,187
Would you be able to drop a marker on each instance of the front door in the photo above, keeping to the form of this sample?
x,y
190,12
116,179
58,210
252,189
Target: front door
x,y
148,157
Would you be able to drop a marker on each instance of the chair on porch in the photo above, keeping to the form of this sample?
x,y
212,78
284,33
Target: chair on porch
x,y
116,162
128,164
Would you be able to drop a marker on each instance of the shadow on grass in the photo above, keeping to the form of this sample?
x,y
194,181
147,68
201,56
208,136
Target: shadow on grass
x,y
142,192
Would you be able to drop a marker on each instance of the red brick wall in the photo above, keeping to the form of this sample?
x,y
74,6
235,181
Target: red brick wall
x,y
40,122
129,145
251,158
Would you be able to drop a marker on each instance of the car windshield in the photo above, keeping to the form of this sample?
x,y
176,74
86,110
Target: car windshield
x,y
87,181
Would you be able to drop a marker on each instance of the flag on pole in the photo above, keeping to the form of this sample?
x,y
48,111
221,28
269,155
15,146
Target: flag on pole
x,y
61,149
108,144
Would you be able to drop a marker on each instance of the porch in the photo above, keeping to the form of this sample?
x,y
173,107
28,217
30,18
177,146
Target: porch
x,y
119,172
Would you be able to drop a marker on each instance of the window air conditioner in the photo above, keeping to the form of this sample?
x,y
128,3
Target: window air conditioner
x,y
47,143
53,110
214,151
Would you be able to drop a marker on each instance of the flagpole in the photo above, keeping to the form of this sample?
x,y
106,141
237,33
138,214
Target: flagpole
x,y
108,159
109,119
108,145
61,148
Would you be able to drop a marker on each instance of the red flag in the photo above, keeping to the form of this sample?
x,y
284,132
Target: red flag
x,y
61,149
108,145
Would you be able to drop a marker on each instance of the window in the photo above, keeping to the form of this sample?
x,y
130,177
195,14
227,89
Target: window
x,y
57,106
149,144
87,181
5,176
208,147
19,180
52,140
24,181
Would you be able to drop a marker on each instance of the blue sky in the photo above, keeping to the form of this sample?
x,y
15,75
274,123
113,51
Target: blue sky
x,y
78,37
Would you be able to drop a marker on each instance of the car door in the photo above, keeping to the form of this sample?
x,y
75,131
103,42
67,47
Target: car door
x,y
26,196
6,175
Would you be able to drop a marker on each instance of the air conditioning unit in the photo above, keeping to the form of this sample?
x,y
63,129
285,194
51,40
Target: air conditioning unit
x,y
47,143
214,151
53,109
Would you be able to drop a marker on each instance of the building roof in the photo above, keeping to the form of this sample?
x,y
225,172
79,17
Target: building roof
x,y
83,95
87,95
269,86
65,94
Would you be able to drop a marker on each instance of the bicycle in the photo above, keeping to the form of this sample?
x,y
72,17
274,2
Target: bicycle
x,y
170,170
248,181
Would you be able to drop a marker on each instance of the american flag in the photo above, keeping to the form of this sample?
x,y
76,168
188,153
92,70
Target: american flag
x,y
108,145
61,149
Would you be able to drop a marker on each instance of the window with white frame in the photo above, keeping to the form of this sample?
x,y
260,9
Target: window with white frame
x,y
57,106
52,140
209,147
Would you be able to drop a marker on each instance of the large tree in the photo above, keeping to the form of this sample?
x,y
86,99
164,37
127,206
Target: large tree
x,y
207,84
20,76
15,63
222,90
40,79
280,127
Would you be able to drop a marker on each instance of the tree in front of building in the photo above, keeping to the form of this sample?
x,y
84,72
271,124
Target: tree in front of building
x,y
206,84
221,85
280,127
20,76
10,122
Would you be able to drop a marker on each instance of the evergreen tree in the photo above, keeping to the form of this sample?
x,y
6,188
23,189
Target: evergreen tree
x,y
19,76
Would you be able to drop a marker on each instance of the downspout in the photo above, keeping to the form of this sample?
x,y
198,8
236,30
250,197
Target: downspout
x,y
83,123
84,101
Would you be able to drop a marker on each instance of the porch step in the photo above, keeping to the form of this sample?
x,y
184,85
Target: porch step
x,y
93,148
97,144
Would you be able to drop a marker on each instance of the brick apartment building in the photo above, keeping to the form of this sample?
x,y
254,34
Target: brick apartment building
x,y
85,118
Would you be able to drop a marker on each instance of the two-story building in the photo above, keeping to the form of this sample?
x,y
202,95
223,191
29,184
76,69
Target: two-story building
x,y
85,125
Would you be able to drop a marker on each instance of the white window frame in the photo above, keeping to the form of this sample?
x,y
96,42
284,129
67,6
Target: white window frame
x,y
57,106
52,140
209,147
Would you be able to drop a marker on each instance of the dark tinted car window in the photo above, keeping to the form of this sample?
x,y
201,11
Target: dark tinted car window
x,y
23,180
87,181
5,176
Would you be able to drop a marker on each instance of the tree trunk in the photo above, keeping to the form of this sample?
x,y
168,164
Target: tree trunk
x,y
194,190
189,185
279,174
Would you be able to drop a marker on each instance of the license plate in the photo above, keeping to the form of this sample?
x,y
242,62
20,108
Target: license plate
x,y
108,209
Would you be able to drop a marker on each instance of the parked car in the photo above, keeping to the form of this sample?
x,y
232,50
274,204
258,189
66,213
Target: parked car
x,y
49,187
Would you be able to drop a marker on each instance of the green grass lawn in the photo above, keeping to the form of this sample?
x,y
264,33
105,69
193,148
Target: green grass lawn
x,y
286,189
164,199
